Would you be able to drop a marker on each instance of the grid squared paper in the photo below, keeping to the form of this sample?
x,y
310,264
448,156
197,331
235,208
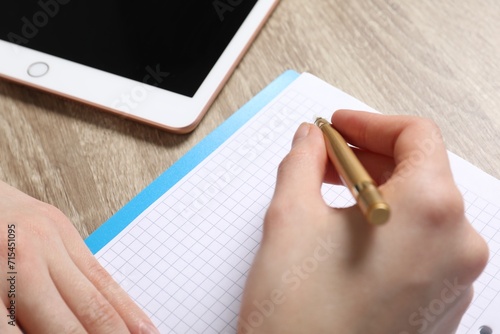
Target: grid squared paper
x,y
186,258
485,218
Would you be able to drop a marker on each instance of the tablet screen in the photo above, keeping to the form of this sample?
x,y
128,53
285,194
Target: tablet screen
x,y
169,44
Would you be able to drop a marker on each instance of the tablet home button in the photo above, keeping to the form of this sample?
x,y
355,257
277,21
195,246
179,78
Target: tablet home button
x,y
37,70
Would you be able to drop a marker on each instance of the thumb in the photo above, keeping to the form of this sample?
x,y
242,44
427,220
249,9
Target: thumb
x,y
301,173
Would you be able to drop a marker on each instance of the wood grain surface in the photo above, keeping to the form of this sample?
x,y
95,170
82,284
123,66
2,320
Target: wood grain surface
x,y
437,59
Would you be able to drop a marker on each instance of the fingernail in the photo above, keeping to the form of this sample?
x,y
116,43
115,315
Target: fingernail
x,y
148,328
302,132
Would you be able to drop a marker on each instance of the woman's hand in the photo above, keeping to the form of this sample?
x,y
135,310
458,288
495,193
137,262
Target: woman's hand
x,y
57,286
326,270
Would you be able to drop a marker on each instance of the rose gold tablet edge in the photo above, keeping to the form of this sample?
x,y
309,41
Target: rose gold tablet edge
x,y
180,130
230,72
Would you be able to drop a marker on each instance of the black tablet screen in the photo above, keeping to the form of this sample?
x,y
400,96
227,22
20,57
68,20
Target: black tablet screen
x,y
172,44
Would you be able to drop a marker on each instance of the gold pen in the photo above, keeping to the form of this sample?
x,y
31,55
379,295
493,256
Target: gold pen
x,y
354,176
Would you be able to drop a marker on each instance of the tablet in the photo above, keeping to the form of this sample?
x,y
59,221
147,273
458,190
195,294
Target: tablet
x,y
158,62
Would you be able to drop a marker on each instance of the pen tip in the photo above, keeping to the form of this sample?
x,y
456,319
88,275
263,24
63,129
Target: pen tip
x,y
320,121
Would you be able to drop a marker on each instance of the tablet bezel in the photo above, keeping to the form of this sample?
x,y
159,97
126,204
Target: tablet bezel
x,y
129,98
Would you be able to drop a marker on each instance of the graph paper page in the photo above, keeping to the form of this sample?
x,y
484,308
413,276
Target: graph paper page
x,y
185,258
482,202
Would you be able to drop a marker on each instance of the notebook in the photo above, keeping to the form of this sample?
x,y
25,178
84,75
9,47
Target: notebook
x,y
183,247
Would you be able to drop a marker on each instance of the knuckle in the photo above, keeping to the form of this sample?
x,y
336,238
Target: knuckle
x,y
476,256
74,328
277,216
275,212
283,214
427,126
442,206
97,313
426,123
101,278
295,157
53,213
300,160
50,221
96,272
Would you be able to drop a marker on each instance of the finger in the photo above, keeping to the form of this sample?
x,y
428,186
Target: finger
x,y
41,308
301,173
91,308
97,286
369,131
298,186
380,167
413,142
135,319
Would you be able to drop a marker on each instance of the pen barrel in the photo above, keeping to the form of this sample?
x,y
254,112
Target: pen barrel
x,y
354,176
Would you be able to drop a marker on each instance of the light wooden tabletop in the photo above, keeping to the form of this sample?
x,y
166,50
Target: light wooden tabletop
x,y
438,59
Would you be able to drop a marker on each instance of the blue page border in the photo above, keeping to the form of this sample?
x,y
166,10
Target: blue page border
x,y
184,165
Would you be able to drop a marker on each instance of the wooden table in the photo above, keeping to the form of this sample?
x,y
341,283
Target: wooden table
x,y
438,59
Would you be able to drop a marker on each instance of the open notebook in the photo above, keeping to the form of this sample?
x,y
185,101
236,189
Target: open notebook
x,y
183,247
